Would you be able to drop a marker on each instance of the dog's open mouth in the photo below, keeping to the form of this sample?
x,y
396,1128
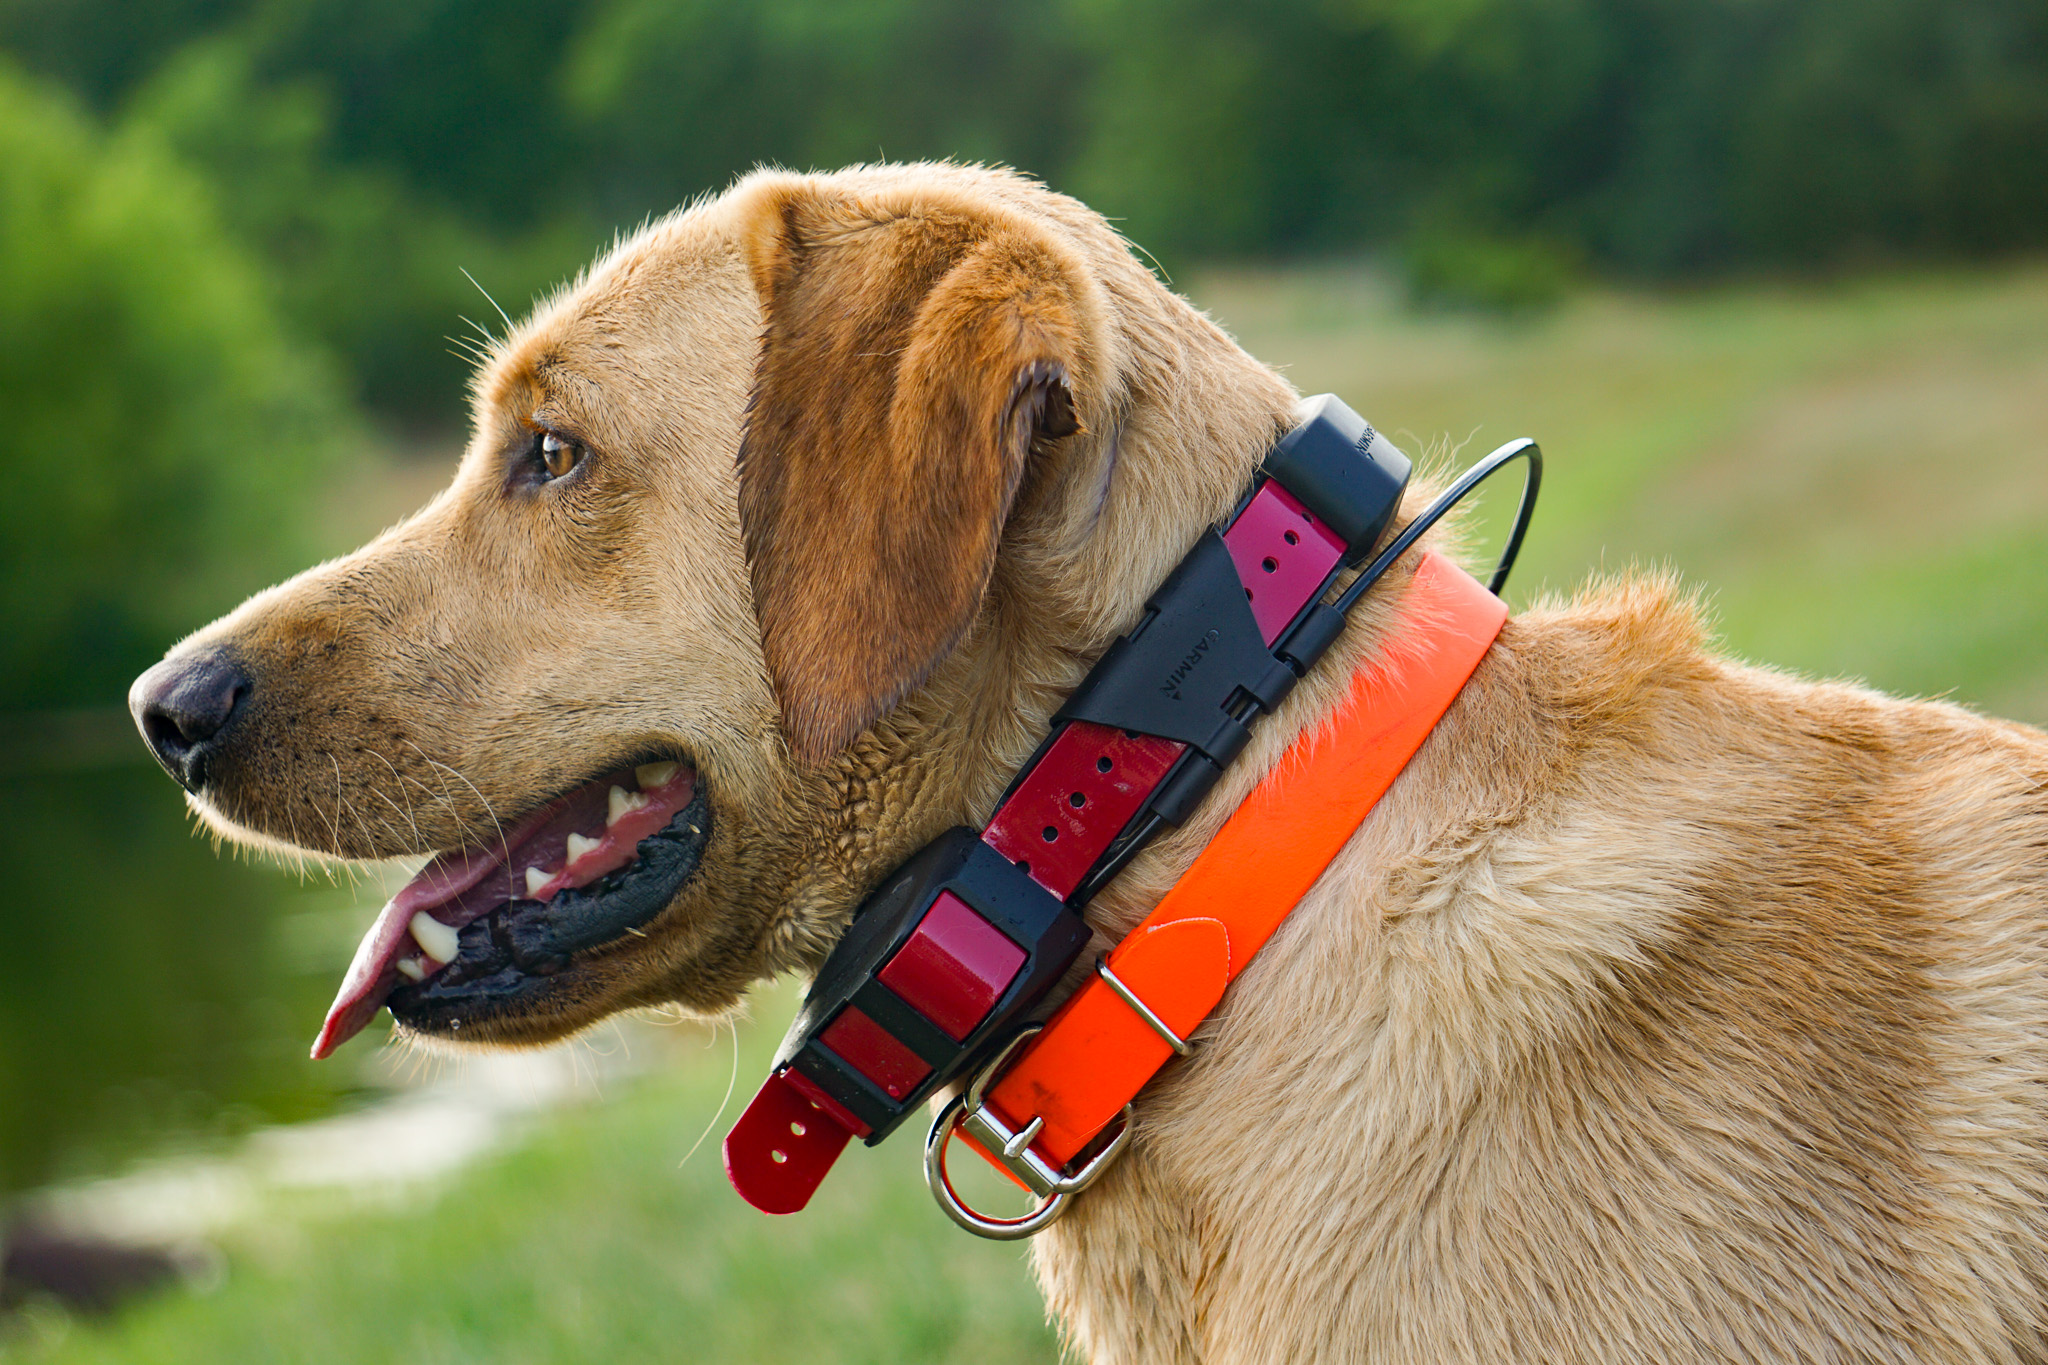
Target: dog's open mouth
x,y
483,926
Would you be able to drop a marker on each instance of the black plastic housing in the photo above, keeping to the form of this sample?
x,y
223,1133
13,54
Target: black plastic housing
x,y
1345,472
1196,667
1196,652
1050,934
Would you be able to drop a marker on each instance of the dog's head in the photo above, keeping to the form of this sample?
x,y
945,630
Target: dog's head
x,y
778,535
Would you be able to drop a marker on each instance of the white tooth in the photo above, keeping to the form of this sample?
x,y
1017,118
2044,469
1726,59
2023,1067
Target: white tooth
x,y
652,775
536,879
578,846
436,939
410,969
619,803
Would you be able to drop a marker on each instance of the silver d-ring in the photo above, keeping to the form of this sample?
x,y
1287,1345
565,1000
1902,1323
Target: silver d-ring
x,y
996,1229
1010,1148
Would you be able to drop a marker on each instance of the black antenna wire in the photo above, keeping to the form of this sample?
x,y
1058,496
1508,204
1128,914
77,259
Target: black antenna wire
x,y
1521,449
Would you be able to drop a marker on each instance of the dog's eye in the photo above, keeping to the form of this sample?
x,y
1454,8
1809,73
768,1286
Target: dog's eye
x,y
558,456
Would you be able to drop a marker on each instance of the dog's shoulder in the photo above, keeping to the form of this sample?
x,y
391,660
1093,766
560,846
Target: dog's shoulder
x,y
1627,674
1734,981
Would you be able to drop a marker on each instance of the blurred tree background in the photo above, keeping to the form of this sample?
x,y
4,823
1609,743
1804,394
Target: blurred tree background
x,y
356,146
233,236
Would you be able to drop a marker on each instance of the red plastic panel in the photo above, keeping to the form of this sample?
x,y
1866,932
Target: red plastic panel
x,y
1076,800
954,968
778,1153
1283,553
873,1051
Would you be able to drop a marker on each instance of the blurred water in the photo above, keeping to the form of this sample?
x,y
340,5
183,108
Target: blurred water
x,y
153,993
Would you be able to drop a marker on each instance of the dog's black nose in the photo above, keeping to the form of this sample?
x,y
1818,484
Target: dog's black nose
x,y
185,707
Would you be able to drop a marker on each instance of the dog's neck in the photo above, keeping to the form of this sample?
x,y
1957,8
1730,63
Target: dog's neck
x,y
1098,529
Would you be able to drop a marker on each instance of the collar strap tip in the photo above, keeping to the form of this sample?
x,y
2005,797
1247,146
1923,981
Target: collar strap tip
x,y
782,1148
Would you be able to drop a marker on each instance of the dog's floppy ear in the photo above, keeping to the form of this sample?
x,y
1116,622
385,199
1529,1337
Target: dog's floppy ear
x,y
914,354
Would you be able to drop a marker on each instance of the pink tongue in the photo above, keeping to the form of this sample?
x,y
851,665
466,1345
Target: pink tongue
x,y
439,887
364,987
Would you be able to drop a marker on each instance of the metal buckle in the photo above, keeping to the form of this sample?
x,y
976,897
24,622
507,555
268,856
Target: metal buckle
x,y
1013,1149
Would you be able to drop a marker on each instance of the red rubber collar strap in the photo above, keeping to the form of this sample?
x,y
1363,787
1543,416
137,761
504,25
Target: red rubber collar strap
x,y
1096,1052
1059,819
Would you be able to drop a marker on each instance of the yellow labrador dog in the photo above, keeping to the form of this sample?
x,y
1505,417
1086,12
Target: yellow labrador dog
x,y
1666,1010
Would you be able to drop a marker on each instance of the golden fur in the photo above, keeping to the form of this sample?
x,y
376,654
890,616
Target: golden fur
x,y
1667,1009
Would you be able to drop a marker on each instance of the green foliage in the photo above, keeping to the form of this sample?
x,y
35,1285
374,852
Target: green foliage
x,y
160,423
367,148
1816,132
360,259
162,432
1229,130
1855,472
1461,270
101,49
681,96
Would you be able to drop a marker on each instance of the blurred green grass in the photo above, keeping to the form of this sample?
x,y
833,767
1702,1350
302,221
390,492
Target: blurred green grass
x,y
1856,473
591,1242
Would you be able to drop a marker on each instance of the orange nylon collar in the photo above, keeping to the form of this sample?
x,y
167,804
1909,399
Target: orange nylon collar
x,y
1098,1051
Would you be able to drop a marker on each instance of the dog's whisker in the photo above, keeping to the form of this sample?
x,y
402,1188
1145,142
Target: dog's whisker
x,y
293,852
471,348
731,1082
343,804
617,1046
464,341
493,302
504,847
334,821
308,861
419,840
398,810
414,783
582,1055
447,800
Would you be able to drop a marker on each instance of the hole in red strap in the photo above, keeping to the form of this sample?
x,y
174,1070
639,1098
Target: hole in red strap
x,y
1103,765
1275,544
833,1110
1077,800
